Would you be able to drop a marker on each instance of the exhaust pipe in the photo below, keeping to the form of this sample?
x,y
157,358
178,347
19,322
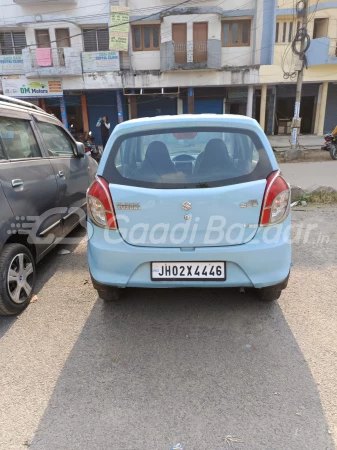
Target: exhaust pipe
x,y
242,290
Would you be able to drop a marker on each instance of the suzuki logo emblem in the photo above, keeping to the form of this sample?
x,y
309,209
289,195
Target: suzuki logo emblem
x,y
186,206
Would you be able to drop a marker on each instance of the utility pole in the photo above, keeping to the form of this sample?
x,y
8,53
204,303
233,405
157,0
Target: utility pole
x,y
294,152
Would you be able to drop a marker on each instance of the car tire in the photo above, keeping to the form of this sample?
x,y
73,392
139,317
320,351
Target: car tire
x,y
110,294
269,294
16,293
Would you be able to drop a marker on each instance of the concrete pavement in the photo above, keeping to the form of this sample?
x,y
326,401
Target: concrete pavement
x,y
162,367
310,175
308,141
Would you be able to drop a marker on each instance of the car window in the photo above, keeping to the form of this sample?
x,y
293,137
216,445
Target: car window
x,y
188,158
2,154
18,139
56,140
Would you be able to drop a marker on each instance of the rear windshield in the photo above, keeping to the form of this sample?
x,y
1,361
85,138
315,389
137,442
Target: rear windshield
x,y
187,158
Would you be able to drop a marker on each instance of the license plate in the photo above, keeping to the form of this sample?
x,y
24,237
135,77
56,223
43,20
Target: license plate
x,y
188,271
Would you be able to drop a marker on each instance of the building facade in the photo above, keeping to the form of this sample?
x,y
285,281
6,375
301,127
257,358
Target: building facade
x,y
193,56
318,105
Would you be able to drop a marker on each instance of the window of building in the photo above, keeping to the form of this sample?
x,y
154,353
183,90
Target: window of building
x,y
146,37
236,33
320,28
12,42
95,39
62,37
277,30
42,38
285,31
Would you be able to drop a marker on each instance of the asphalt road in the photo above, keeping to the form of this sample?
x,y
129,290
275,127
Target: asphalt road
x,y
162,366
310,175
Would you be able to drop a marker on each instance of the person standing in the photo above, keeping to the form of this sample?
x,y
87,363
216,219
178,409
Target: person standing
x,y
105,127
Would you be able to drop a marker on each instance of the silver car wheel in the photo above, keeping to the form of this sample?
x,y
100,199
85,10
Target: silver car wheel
x,y
20,278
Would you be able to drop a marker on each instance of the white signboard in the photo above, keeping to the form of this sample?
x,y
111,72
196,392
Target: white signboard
x,y
100,61
11,64
22,87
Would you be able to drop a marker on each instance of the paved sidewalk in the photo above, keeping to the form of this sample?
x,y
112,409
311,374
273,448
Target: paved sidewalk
x,y
307,141
310,175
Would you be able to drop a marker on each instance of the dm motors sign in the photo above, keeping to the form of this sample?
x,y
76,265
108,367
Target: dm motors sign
x,y
23,88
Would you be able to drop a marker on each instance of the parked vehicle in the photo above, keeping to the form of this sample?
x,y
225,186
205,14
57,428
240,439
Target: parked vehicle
x,y
330,145
91,148
44,175
189,201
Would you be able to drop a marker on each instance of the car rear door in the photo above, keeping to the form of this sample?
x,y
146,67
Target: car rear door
x,y
71,172
196,188
28,179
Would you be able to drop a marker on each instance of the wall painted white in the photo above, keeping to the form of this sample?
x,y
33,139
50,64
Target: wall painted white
x,y
236,56
146,60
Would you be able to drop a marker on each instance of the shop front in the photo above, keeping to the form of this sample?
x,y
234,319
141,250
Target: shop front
x,y
107,103
206,100
284,111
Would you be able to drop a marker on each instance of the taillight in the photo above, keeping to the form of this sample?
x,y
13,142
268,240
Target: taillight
x,y
276,200
100,206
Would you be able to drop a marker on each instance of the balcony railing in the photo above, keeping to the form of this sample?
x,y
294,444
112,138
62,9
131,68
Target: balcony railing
x,y
195,51
57,58
64,61
191,55
322,51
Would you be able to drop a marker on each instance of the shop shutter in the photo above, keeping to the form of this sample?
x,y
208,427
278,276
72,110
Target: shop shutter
x,y
206,106
151,107
331,109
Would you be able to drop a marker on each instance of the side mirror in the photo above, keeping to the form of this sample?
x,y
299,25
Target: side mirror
x,y
80,150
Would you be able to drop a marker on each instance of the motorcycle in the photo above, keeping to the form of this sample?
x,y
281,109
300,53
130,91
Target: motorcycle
x,y
76,135
92,149
330,145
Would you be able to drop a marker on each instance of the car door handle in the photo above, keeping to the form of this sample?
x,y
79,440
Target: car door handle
x,y
17,182
60,174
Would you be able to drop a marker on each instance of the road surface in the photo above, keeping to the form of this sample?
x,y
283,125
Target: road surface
x,y
200,367
310,175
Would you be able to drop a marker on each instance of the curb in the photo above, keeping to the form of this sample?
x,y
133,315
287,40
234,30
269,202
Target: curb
x,y
302,148
297,192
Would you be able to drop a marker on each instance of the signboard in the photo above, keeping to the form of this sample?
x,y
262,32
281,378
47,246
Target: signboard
x,y
119,28
11,64
100,61
22,87
237,93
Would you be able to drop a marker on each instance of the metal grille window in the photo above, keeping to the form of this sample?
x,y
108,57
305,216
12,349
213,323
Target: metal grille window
x,y
12,42
145,37
236,33
285,31
95,39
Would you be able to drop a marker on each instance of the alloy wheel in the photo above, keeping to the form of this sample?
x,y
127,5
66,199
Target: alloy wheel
x,y
20,278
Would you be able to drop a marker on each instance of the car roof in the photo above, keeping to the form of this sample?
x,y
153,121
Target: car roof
x,y
187,120
14,104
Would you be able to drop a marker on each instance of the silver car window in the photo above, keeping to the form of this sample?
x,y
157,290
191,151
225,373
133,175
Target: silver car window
x,y
56,140
18,138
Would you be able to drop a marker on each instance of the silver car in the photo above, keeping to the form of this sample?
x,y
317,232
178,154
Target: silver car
x,y
44,176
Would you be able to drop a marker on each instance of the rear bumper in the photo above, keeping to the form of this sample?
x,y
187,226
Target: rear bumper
x,y
264,261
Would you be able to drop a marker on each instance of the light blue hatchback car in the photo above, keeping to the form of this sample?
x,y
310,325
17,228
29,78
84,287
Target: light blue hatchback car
x,y
189,201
